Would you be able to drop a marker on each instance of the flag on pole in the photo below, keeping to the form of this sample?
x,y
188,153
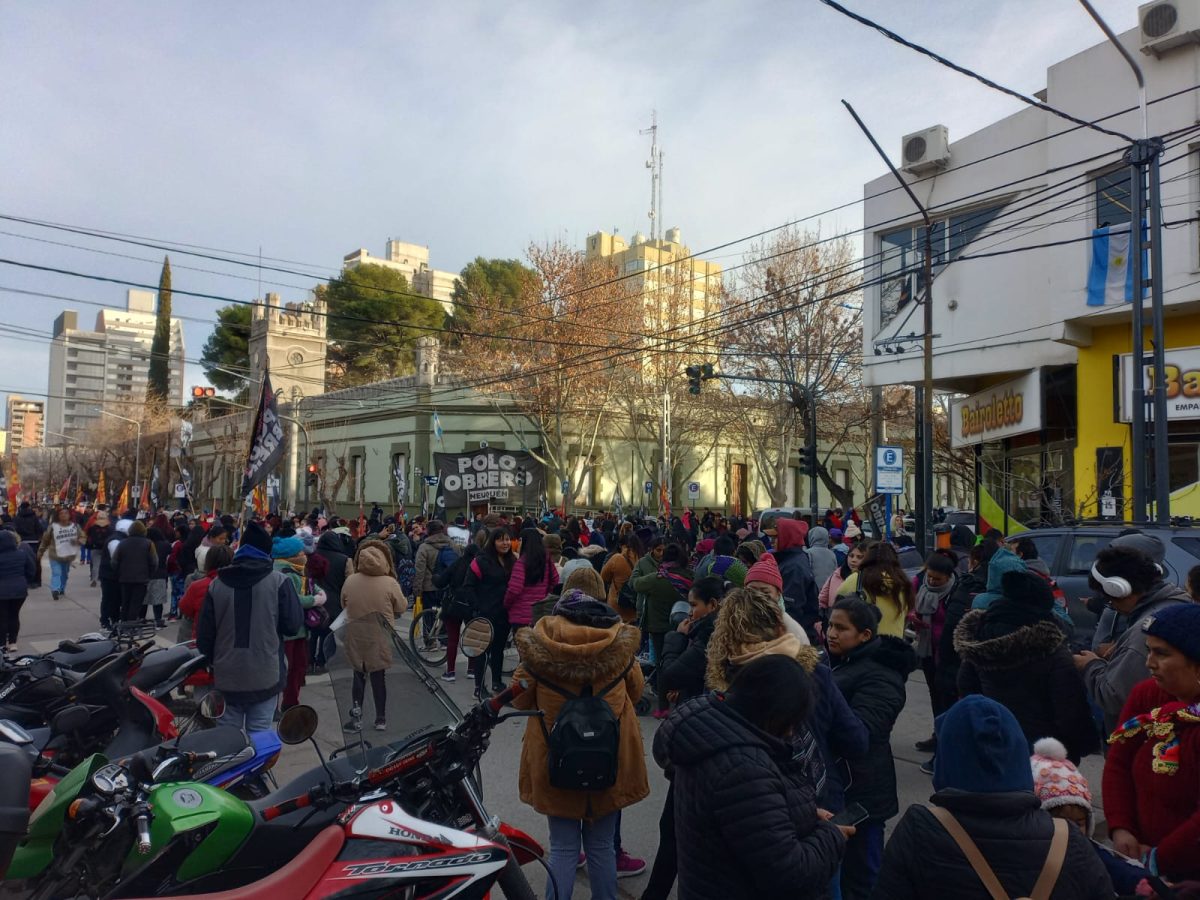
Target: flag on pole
x,y
79,494
267,440
260,499
101,494
1110,277
437,429
62,493
123,500
154,485
14,485
144,498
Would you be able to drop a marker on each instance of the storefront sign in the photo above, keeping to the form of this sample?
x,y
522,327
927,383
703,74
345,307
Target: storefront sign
x,y
1182,382
1013,407
484,475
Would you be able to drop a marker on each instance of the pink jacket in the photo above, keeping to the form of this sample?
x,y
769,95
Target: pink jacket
x,y
828,595
520,597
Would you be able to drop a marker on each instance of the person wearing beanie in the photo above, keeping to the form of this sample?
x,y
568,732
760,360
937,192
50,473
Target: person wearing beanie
x,y
983,779
1061,787
244,640
851,533
764,577
290,559
1112,673
1016,653
1152,773
582,644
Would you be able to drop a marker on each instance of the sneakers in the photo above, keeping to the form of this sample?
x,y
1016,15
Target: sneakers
x,y
928,745
54,595
159,623
381,724
448,676
629,866
927,768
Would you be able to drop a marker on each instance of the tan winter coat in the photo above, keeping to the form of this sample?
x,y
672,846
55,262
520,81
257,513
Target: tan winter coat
x,y
370,597
618,570
571,656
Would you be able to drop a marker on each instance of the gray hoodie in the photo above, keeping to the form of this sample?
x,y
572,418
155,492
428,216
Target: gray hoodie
x,y
1109,682
823,560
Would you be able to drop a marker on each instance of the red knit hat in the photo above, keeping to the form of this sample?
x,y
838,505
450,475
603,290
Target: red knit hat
x,y
766,571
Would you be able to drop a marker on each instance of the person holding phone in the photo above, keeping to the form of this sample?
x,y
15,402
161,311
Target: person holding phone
x,y
746,816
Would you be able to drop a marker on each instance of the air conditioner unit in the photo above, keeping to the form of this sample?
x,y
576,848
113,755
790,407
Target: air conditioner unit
x,y
1168,23
924,151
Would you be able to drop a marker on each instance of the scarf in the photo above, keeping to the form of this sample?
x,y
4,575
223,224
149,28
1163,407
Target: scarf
x,y
929,600
1160,723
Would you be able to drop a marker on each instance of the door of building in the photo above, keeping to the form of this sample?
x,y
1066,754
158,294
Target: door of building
x,y
737,489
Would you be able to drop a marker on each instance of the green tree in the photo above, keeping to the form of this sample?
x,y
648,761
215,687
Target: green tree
x,y
373,323
227,350
486,290
158,385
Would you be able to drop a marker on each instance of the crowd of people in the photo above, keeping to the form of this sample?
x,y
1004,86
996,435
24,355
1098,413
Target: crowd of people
x,y
777,660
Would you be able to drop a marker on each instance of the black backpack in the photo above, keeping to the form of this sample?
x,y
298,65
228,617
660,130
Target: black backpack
x,y
584,745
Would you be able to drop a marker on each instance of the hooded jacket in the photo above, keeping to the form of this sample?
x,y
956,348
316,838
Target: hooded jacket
x,y
617,570
796,568
331,546
1110,681
370,597
746,815
17,567
520,597
660,593
247,612
871,678
572,656
1002,561
824,561
29,526
425,563
1030,671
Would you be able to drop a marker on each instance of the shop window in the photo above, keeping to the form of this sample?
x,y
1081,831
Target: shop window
x,y
1084,550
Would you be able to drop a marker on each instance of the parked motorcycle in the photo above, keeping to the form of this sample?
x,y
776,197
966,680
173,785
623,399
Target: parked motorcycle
x,y
402,819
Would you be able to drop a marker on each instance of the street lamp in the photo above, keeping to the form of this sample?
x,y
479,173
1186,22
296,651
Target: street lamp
x,y
137,451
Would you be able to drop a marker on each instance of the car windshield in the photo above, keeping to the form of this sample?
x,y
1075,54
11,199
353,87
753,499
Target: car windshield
x,y
371,653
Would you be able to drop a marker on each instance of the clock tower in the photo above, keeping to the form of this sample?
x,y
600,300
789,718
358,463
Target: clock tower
x,y
290,339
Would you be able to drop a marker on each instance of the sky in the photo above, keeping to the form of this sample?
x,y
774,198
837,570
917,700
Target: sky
x,y
305,130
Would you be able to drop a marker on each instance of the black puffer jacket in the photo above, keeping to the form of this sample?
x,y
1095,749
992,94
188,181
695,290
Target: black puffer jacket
x,y
1030,671
1012,832
484,585
331,546
872,677
29,526
17,567
746,819
957,606
135,560
685,657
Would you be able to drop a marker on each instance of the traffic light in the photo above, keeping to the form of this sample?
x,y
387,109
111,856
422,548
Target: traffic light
x,y
312,478
199,392
808,460
706,371
693,374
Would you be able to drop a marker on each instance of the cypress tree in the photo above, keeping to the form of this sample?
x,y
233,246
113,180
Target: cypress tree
x,y
158,386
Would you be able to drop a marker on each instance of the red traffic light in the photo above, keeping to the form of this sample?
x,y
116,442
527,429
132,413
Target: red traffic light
x,y
199,391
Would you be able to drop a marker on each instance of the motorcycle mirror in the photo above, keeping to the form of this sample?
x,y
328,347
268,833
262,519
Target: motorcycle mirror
x,y
42,668
70,720
297,724
477,636
212,705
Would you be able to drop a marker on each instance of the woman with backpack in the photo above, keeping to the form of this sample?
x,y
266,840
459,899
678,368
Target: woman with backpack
x,y
670,584
483,589
617,572
533,576
583,647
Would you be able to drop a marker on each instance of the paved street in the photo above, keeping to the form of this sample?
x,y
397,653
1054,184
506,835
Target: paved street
x,y
45,622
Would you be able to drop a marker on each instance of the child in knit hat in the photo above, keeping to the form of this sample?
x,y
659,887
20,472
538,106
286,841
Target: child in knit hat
x,y
1061,787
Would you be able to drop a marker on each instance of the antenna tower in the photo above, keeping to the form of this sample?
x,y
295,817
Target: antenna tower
x,y
654,164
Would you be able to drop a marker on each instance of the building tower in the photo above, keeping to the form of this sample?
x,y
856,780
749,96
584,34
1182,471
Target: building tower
x,y
290,340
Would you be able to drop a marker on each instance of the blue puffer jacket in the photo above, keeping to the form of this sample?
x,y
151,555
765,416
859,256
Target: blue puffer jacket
x,y
17,567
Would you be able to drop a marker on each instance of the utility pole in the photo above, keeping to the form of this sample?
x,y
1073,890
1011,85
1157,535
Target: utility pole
x,y
654,164
924,392
1145,206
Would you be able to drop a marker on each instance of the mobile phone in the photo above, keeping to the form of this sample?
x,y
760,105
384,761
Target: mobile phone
x,y
854,814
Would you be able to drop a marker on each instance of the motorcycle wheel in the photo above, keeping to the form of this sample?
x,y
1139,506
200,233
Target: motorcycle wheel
x,y
425,638
513,883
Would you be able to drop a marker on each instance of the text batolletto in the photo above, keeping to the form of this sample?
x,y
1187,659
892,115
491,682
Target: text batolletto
x,y
996,412
490,470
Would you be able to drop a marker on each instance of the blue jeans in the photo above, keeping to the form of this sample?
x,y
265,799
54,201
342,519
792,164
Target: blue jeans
x,y
597,838
862,861
58,575
252,717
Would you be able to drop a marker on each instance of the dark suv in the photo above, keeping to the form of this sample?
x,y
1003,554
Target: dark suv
x,y
1070,550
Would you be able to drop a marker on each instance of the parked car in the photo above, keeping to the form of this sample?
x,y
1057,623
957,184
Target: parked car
x,y
766,517
1070,550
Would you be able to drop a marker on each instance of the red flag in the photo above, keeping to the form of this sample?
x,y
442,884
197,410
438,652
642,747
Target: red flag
x,y
123,500
101,494
145,497
62,493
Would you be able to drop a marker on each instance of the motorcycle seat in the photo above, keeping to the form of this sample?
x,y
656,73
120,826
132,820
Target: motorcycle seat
x,y
296,878
229,743
81,656
159,665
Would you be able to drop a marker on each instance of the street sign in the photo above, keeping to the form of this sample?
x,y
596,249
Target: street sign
x,y
1108,505
649,486
693,490
432,480
889,470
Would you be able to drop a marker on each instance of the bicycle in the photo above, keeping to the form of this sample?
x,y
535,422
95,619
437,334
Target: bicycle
x,y
427,637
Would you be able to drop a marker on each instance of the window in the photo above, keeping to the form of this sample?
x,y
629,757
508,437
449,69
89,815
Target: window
x,y
1047,546
902,255
1084,550
1112,198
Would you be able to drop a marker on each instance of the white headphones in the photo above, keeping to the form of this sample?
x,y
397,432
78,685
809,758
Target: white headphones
x,y
1115,587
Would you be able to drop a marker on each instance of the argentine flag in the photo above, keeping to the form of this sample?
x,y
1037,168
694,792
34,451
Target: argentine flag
x,y
1110,278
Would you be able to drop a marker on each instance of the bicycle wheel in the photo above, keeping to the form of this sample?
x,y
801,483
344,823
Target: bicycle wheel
x,y
427,637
